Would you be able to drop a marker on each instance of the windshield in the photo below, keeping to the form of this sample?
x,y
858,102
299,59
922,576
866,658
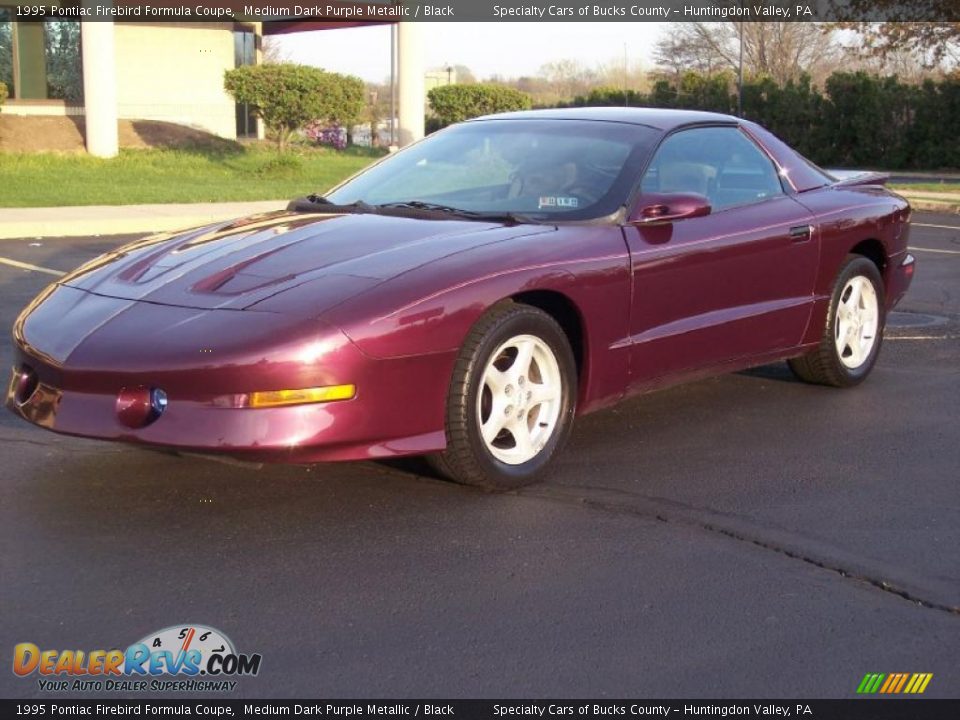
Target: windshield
x,y
556,169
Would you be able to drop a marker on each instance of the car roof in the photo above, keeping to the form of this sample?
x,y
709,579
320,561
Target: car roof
x,y
659,118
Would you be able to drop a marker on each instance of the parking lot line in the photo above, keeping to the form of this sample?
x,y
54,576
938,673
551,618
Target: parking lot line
x,y
28,266
888,338
939,227
934,250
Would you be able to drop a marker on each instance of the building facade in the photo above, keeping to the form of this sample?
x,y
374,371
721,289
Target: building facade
x,y
172,72
166,71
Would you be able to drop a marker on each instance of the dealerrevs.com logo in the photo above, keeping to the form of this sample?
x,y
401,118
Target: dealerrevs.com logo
x,y
180,658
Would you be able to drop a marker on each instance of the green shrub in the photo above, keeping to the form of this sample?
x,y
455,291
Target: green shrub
x,y
288,96
856,120
4,94
611,96
456,103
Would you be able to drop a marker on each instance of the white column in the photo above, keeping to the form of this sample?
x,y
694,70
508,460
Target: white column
x,y
100,87
412,96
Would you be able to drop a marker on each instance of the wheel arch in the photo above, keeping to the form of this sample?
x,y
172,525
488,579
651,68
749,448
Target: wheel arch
x,y
568,316
873,250
870,248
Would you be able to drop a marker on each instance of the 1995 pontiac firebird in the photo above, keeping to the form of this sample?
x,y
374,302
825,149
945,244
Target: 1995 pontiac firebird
x,y
467,297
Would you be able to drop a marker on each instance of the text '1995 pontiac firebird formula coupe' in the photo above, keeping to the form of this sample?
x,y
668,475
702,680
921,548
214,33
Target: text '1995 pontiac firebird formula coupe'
x,y
467,297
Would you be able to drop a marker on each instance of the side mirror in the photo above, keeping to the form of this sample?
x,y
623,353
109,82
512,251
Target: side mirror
x,y
667,207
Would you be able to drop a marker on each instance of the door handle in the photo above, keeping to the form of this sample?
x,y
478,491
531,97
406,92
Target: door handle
x,y
799,233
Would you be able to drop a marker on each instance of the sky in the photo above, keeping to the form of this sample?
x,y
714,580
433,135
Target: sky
x,y
508,49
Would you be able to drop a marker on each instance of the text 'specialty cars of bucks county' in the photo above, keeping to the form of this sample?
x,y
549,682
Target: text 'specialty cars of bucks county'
x,y
467,297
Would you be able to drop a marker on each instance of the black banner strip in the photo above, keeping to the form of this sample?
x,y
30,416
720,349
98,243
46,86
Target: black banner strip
x,y
379,11
852,709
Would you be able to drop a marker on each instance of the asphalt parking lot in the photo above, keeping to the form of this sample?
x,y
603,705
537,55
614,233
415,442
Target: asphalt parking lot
x,y
742,536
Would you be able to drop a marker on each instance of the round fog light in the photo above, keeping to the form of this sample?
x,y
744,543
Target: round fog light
x,y
139,406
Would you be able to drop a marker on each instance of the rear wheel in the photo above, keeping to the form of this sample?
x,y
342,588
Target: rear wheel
x,y
511,402
854,329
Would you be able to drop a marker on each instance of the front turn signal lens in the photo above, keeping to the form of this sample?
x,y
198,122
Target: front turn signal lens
x,y
277,398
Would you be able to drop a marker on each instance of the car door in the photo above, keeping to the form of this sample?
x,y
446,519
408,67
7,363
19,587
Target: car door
x,y
733,284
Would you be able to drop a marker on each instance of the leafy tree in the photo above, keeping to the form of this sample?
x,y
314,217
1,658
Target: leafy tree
x,y
287,96
455,103
6,47
62,50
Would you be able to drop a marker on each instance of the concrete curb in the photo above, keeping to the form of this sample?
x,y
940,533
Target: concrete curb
x,y
121,219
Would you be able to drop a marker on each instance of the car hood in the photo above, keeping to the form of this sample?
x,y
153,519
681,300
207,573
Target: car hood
x,y
236,265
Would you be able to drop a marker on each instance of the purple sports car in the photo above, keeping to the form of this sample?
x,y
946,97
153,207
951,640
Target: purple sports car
x,y
467,297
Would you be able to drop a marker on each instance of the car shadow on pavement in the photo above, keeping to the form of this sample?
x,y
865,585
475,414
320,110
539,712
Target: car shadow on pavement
x,y
776,371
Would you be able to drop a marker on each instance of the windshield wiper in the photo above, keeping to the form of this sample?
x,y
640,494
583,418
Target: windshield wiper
x,y
494,216
358,205
364,207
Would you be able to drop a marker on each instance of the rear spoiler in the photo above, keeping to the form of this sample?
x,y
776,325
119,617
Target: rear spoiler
x,y
866,178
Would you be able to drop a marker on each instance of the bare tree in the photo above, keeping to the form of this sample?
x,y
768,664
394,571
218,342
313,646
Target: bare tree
x,y
908,65
693,46
273,52
929,43
780,50
464,74
568,78
623,73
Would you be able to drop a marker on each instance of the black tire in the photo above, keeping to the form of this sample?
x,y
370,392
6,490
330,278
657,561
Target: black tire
x,y
467,459
823,365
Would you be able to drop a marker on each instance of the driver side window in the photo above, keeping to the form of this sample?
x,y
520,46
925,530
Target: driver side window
x,y
720,163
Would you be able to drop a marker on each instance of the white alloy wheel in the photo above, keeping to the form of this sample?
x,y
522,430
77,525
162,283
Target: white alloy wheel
x,y
857,322
520,398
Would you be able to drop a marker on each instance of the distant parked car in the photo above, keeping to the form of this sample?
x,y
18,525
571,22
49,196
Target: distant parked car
x,y
467,297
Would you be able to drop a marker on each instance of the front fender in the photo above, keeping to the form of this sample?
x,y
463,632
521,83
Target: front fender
x,y
431,309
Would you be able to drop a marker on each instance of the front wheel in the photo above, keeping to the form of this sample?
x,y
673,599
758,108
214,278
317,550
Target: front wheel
x,y
511,400
854,329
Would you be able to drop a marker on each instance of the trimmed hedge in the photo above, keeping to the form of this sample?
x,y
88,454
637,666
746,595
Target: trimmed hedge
x,y
456,103
857,120
288,96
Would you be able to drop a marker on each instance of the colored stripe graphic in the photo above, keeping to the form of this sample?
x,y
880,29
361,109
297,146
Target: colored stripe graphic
x,y
890,686
894,683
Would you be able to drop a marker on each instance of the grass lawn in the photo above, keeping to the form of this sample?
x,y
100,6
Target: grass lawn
x,y
173,176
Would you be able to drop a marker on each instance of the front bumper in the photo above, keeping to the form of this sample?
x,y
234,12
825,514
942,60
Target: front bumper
x,y
899,277
198,357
